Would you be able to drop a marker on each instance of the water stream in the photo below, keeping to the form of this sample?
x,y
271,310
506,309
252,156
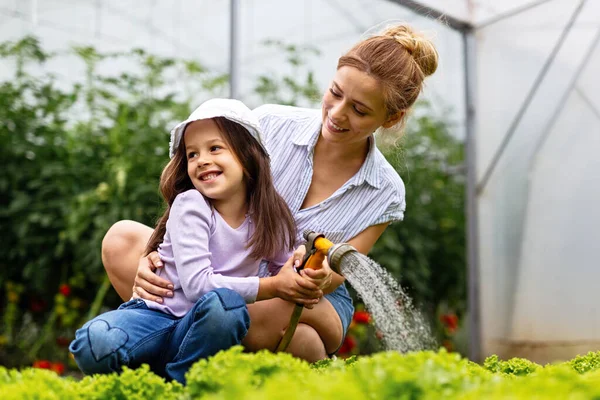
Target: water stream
x,y
403,327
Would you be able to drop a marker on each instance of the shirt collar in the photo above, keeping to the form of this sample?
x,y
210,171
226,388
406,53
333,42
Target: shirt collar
x,y
368,171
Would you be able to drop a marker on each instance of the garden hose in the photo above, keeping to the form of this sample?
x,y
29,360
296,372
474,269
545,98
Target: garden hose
x,y
317,248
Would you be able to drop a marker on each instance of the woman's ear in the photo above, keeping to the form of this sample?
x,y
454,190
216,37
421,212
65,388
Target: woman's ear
x,y
393,119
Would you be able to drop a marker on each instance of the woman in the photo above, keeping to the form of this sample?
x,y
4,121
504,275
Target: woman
x,y
327,168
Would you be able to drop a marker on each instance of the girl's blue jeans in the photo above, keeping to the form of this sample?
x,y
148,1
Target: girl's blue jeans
x,y
134,334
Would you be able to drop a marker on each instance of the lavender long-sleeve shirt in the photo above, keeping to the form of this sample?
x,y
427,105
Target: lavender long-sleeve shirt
x,y
201,252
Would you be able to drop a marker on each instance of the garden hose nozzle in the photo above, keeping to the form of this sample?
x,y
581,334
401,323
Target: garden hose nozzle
x,y
335,255
317,249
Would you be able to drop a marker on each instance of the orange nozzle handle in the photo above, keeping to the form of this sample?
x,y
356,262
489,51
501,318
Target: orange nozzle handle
x,y
322,246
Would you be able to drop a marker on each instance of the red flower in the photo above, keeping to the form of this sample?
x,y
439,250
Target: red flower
x,y
450,321
58,367
65,289
448,345
63,341
37,305
43,364
348,345
361,317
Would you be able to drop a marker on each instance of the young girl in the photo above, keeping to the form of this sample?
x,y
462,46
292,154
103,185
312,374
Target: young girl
x,y
223,217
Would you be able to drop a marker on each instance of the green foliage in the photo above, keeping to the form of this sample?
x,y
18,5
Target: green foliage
x,y
298,86
548,383
139,384
514,366
77,159
235,372
583,364
233,375
131,384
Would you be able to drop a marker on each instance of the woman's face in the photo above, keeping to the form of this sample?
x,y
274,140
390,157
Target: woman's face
x,y
353,107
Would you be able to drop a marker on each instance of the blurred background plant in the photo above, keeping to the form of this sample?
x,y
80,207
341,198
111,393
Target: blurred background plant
x,y
79,156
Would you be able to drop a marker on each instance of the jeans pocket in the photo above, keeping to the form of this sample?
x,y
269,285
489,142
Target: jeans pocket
x,y
133,304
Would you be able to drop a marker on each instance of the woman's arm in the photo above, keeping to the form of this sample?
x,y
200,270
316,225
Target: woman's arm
x,y
147,284
364,241
189,232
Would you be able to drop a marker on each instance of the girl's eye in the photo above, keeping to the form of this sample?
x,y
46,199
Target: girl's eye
x,y
215,148
191,155
334,93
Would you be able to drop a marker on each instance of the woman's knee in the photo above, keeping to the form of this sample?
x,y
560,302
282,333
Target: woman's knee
x,y
121,238
324,319
268,322
307,344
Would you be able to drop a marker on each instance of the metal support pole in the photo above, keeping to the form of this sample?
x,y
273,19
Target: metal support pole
x,y
546,131
234,49
429,12
473,298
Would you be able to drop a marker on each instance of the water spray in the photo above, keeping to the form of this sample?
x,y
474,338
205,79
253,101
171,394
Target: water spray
x,y
402,326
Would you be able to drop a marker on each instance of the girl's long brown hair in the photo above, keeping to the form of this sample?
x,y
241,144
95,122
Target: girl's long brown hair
x,y
275,228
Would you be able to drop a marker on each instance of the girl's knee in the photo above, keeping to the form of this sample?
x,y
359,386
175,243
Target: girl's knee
x,y
223,309
96,348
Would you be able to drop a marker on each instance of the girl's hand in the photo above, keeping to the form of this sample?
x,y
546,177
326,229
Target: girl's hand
x,y
298,255
290,286
147,285
320,277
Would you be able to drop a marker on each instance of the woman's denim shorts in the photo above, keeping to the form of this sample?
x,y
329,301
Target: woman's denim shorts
x,y
342,302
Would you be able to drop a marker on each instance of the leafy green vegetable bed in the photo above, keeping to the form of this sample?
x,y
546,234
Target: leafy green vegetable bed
x,y
236,375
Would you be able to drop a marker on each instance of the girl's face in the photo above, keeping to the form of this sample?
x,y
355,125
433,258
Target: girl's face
x,y
213,168
353,107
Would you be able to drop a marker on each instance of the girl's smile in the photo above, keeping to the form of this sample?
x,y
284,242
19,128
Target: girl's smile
x,y
209,176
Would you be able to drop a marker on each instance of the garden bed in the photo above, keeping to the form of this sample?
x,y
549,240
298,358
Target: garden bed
x,y
236,375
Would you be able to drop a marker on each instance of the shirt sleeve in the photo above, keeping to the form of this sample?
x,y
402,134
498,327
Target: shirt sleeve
x,y
394,212
274,264
264,115
189,227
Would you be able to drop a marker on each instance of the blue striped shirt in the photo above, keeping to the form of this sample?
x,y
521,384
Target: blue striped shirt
x,y
374,195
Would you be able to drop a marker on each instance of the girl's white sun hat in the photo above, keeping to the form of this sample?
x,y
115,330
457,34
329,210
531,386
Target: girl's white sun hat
x,y
233,110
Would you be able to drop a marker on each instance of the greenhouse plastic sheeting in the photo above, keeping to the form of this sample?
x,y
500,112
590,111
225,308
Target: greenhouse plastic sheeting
x,y
200,30
538,115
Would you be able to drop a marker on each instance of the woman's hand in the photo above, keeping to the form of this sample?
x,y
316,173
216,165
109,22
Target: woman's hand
x,y
291,286
147,285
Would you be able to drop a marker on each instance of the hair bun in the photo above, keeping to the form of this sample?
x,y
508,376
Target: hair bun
x,y
417,45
